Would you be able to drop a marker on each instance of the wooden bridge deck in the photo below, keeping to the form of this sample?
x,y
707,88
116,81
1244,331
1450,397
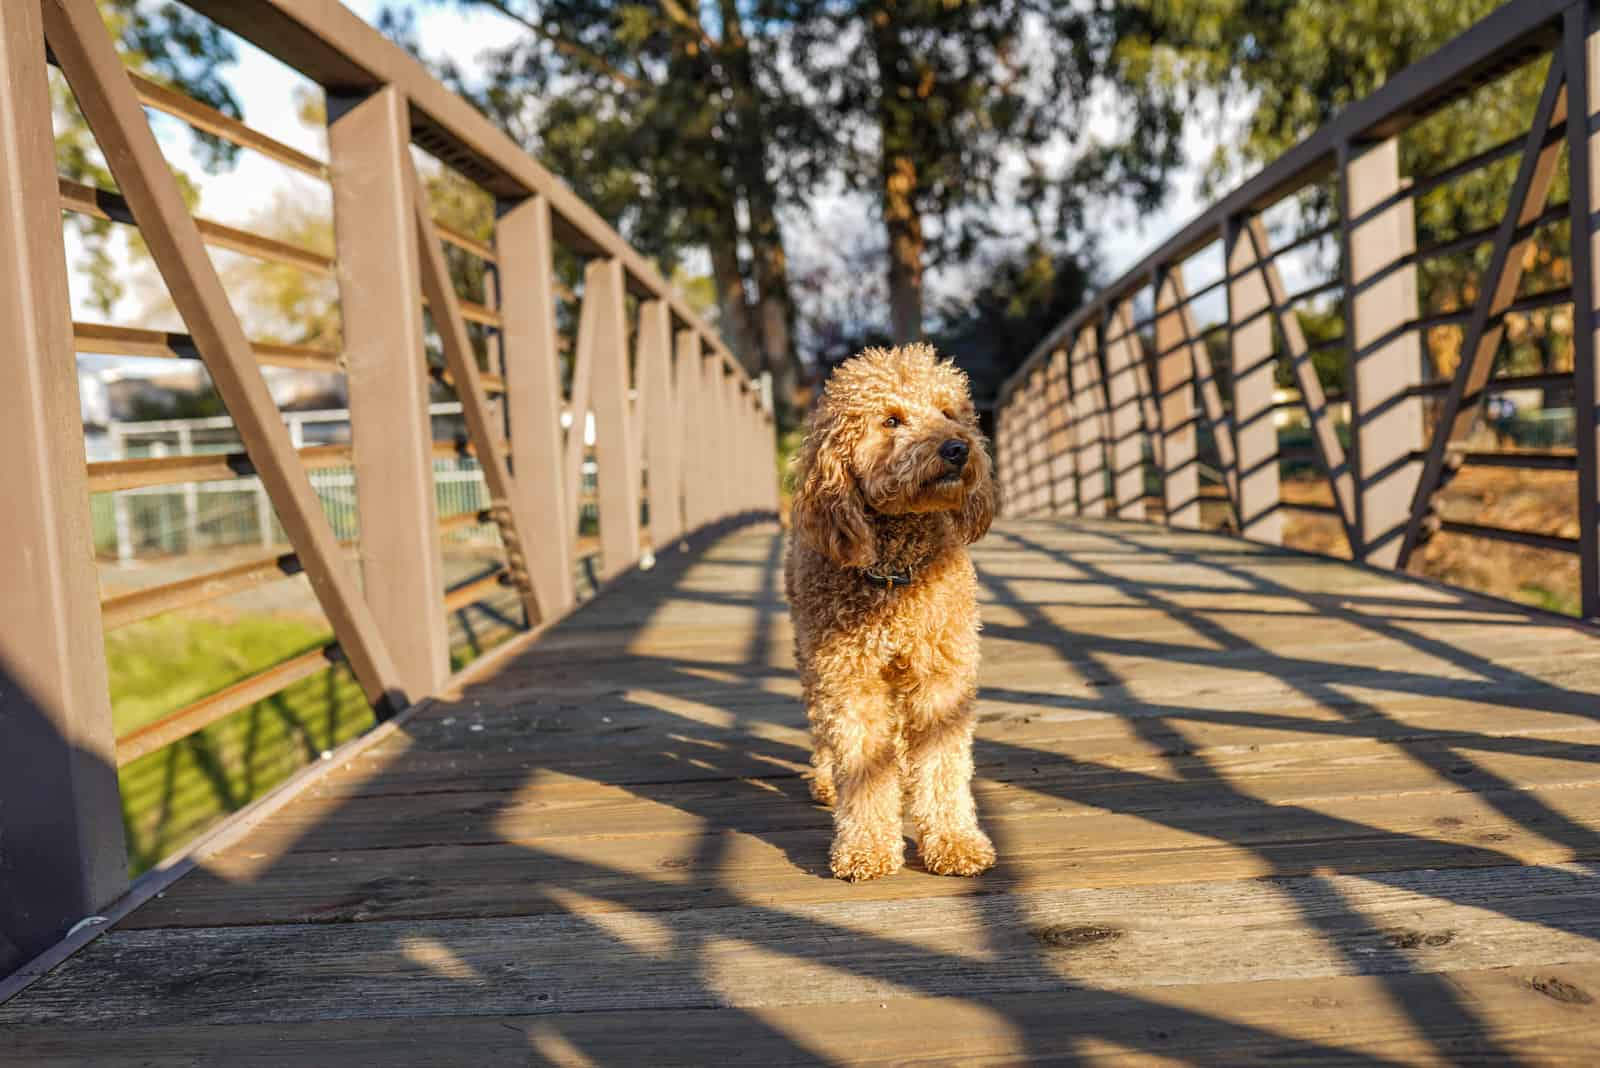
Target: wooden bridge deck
x,y
1249,806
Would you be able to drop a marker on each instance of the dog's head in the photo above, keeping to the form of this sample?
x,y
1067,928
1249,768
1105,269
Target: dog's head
x,y
895,432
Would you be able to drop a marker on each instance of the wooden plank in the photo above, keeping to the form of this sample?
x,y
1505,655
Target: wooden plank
x,y
533,374
255,884
391,430
1540,1014
1202,932
1253,363
505,504
93,70
62,856
1036,784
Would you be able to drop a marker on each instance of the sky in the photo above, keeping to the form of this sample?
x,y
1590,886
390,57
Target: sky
x,y
267,91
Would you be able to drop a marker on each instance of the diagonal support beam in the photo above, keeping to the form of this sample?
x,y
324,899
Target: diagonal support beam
x,y
104,93
504,503
1253,365
1210,396
1498,288
1324,438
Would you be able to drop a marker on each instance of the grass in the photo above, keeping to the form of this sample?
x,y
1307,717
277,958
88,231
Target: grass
x,y
161,664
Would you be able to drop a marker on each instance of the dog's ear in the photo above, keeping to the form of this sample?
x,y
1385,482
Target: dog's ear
x,y
829,512
977,511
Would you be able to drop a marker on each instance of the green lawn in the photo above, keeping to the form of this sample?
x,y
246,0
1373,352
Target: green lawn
x,y
160,665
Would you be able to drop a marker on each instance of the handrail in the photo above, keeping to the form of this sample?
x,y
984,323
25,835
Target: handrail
x,y
679,427
332,46
1519,29
1387,477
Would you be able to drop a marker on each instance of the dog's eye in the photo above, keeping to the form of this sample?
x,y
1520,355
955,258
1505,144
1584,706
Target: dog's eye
x,y
948,414
892,422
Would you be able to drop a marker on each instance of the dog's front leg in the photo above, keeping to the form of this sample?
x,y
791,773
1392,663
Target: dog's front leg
x,y
853,725
939,724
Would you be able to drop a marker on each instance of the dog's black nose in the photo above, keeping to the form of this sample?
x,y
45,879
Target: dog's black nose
x,y
954,452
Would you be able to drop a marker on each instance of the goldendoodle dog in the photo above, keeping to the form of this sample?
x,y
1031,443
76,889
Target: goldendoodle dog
x,y
893,485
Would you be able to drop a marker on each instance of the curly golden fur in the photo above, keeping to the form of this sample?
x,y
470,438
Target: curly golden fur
x,y
890,670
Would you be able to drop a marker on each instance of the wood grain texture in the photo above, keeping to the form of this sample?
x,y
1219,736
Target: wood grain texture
x,y
1248,806
1399,1019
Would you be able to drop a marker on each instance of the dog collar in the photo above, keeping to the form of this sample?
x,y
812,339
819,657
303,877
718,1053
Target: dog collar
x,y
887,580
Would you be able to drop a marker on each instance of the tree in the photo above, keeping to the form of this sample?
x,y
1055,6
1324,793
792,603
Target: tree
x,y
936,99
664,118
167,43
1296,64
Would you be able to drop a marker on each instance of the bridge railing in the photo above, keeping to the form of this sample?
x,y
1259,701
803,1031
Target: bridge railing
x,y
651,404
1133,378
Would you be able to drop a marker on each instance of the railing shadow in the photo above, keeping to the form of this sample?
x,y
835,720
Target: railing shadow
x,y
697,734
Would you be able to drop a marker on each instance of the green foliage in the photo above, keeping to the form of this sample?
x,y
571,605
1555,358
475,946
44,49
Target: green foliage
x,y
1293,65
167,43
1022,298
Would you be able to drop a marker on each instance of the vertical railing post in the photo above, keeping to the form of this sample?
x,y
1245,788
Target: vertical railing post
x,y
732,399
61,853
1174,390
1122,400
660,435
1385,355
691,443
526,276
380,287
613,419
1088,422
713,417
1254,366
1582,52
1061,443
1038,468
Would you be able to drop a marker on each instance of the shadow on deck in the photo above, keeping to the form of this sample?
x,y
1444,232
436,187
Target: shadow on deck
x,y
1250,806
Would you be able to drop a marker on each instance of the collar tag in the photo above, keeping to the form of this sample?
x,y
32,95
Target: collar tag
x,y
888,580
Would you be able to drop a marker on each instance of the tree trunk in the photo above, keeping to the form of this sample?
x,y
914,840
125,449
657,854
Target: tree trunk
x,y
906,247
738,318
902,216
775,309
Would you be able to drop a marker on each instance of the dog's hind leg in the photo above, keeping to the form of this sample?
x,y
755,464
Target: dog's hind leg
x,y
939,723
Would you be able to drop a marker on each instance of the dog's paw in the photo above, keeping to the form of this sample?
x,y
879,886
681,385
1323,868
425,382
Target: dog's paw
x,y
860,859
968,853
822,791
